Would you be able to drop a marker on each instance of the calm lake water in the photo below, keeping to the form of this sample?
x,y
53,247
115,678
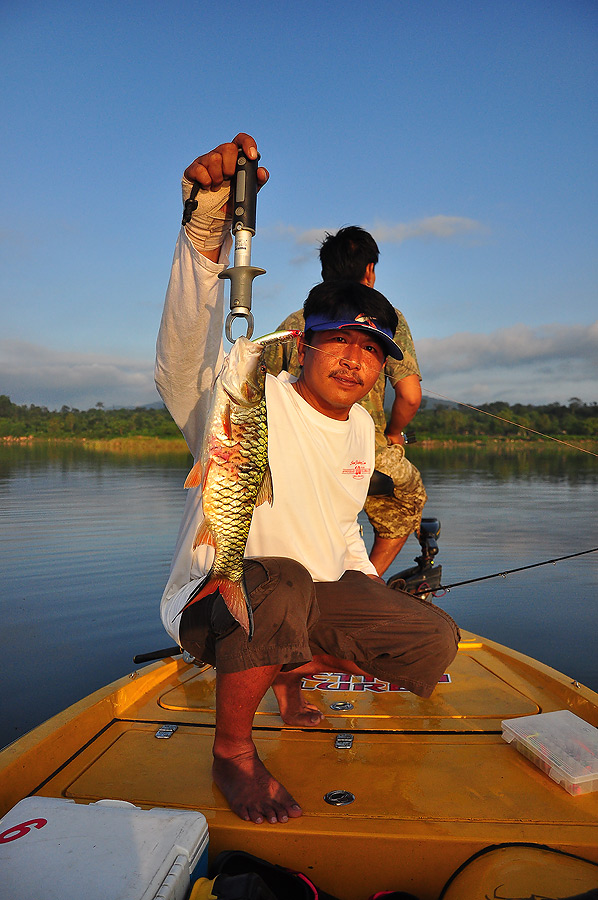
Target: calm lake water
x,y
86,540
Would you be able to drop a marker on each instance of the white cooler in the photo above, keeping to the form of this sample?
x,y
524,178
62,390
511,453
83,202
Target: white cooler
x,y
57,849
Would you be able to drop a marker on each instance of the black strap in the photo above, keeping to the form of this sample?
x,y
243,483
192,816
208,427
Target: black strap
x,y
191,203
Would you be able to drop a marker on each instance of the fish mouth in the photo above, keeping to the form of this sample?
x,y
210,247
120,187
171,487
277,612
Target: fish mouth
x,y
250,393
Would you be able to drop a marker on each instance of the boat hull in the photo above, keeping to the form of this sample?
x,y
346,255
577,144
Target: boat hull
x,y
433,781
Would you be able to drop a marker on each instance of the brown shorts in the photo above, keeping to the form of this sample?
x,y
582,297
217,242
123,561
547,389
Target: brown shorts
x,y
284,609
389,634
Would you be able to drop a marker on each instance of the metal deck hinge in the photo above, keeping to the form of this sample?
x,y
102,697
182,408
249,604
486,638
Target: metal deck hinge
x,y
165,731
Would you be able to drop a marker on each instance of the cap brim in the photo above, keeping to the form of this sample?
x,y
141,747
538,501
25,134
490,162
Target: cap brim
x,y
390,347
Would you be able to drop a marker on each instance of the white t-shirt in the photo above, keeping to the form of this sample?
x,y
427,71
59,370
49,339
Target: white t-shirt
x,y
320,467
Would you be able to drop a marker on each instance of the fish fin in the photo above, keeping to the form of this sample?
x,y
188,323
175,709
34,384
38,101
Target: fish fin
x,y
194,477
266,491
234,594
226,422
204,587
204,535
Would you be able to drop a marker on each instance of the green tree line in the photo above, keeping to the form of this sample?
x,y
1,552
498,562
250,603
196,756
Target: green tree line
x,y
575,418
96,423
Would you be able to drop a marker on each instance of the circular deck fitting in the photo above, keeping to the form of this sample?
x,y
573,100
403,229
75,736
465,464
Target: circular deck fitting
x,y
339,798
341,705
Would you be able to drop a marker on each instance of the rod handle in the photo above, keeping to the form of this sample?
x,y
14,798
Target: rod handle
x,y
157,654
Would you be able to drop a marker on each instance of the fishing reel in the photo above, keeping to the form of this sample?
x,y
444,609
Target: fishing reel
x,y
424,577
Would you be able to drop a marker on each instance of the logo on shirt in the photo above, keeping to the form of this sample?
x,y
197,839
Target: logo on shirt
x,y
358,469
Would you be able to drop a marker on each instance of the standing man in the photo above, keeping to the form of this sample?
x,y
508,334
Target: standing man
x,y
318,604
352,254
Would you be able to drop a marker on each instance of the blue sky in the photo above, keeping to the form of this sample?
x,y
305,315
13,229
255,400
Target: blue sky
x,y
462,134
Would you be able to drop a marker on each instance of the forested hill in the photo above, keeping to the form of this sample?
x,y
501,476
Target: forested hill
x,y
92,424
574,419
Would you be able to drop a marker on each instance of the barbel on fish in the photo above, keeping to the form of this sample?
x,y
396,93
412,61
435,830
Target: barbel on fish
x,y
233,471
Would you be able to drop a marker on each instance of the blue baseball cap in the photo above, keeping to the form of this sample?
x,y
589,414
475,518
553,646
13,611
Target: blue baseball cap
x,y
364,323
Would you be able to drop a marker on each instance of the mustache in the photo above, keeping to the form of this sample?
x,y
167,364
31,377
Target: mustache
x,y
347,377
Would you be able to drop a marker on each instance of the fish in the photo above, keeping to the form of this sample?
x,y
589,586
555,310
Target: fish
x,y
233,471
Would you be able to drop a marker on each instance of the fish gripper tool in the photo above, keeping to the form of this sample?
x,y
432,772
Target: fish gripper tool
x,y
242,273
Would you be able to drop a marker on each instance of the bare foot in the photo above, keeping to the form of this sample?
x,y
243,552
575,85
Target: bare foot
x,y
293,708
251,791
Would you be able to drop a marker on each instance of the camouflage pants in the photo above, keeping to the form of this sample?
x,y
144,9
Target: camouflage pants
x,y
399,515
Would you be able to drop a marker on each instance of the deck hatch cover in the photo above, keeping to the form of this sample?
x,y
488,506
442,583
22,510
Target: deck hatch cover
x,y
470,691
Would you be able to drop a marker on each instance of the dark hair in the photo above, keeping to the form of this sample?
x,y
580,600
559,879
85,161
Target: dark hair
x,y
346,299
345,255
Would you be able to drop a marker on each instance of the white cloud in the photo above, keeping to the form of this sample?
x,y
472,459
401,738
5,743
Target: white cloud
x,y
440,227
518,364
550,363
433,227
31,373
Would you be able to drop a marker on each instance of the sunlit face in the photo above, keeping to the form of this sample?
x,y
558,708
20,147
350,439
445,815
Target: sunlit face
x,y
339,368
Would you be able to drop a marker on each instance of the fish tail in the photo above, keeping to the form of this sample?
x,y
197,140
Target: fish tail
x,y
234,594
237,602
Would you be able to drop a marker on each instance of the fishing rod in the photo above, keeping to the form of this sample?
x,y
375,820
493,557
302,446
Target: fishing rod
x,y
503,574
425,577
242,273
432,549
157,654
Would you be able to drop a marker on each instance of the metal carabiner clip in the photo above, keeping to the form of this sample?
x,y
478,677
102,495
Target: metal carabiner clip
x,y
248,316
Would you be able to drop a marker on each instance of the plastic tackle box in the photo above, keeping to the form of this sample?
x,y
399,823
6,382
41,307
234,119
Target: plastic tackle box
x,y
561,744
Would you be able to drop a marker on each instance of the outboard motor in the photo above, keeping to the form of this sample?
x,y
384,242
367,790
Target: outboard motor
x,y
424,577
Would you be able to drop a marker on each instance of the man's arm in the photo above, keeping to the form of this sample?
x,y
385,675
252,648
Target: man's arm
x,y
189,348
408,395
405,378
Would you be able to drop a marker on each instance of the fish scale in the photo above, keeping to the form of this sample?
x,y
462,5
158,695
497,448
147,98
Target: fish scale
x,y
233,471
235,488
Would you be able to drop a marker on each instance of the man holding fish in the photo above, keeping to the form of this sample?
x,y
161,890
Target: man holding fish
x,y
271,580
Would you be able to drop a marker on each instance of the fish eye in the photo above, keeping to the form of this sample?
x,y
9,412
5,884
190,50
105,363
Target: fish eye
x,y
263,368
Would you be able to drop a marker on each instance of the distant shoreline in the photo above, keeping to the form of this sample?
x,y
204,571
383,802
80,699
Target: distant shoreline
x,y
141,444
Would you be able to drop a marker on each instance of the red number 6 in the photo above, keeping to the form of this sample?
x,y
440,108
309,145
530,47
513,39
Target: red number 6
x,y
19,831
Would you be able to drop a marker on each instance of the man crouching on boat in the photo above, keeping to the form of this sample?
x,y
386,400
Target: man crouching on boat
x,y
318,604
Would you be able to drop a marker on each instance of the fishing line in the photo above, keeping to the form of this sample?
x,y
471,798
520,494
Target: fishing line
x,y
446,588
338,358
546,562
517,424
541,434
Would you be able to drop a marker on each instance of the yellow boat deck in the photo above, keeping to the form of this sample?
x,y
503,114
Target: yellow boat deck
x,y
433,780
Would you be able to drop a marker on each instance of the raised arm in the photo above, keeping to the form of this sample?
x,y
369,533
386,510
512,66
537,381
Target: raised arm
x,y
189,347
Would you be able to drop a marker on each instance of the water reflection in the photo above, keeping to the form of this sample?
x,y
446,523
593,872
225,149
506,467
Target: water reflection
x,y
507,462
17,457
86,540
